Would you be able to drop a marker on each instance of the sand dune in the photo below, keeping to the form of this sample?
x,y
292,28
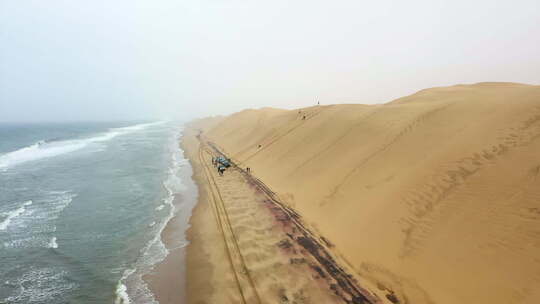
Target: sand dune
x,y
247,248
435,196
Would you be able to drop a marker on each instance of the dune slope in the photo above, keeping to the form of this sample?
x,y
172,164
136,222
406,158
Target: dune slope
x,y
435,196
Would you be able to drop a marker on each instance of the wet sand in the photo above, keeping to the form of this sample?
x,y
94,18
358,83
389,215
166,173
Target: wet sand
x,y
168,280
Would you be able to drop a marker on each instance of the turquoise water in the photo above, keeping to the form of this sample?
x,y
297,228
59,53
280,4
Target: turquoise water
x,y
82,206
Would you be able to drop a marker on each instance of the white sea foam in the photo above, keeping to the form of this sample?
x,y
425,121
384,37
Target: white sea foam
x,y
21,242
139,126
154,251
160,207
43,149
39,151
182,245
122,296
33,226
41,285
53,243
13,214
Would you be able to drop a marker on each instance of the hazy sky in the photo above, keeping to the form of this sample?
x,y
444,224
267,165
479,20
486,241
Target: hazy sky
x,y
128,59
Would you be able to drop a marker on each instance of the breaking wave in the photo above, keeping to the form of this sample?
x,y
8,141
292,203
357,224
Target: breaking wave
x,y
44,149
10,216
131,287
40,285
53,243
33,226
13,214
122,296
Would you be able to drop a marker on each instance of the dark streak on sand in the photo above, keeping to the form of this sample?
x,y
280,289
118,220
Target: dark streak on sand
x,y
340,282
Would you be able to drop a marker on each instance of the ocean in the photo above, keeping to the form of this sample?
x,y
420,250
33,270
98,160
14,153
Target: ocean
x,y
82,207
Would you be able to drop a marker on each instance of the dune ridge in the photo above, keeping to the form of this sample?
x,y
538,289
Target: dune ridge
x,y
434,196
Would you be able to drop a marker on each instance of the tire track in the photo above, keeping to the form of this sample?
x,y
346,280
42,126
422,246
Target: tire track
x,y
340,282
244,282
272,141
335,141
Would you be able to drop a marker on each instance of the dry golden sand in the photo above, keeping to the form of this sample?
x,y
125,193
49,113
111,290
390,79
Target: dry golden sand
x,y
242,246
435,196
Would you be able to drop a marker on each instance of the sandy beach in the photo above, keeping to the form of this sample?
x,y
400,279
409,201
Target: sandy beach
x,y
270,152
168,279
245,248
167,282
431,198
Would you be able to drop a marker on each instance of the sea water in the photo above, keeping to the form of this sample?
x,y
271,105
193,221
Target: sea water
x,y
82,207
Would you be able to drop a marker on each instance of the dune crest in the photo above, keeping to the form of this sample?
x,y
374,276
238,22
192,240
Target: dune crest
x,y
435,195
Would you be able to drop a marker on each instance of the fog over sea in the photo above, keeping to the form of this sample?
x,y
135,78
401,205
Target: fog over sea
x,y
82,207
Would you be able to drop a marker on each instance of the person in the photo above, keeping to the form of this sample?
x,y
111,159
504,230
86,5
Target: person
x,y
221,169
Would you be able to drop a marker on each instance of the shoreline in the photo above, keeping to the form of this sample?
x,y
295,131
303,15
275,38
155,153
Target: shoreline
x,y
168,279
197,260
